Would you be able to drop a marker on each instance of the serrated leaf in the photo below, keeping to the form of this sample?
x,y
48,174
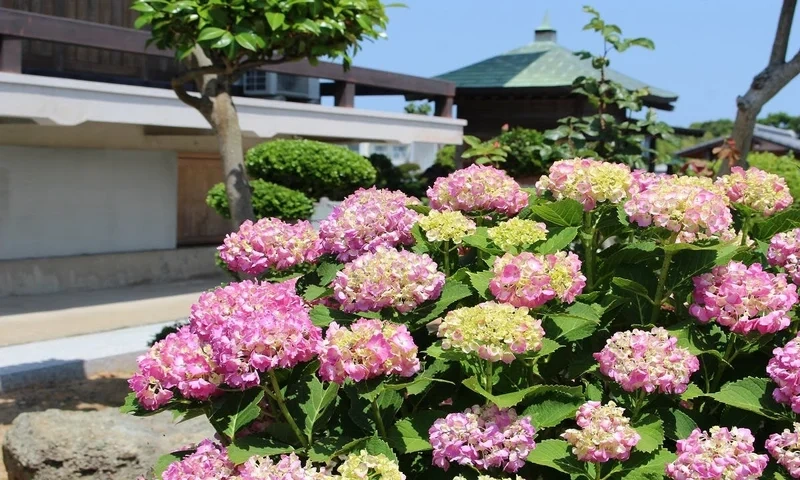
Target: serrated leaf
x,y
376,446
559,241
556,454
509,400
633,287
234,410
210,33
677,424
480,282
480,240
780,222
323,316
243,448
651,429
452,292
750,394
275,19
325,448
548,347
552,408
319,398
327,272
577,322
164,461
565,213
631,253
314,292
646,466
692,392
410,434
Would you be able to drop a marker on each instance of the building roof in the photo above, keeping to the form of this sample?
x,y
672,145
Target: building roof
x,y
542,64
778,136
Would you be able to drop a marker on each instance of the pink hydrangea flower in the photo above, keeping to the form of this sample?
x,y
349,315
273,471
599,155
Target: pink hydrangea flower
x,y
254,327
270,244
531,280
368,349
785,449
764,192
784,251
179,362
483,437
743,298
387,278
368,219
289,467
209,461
641,180
587,181
478,188
719,454
605,433
651,361
784,369
692,207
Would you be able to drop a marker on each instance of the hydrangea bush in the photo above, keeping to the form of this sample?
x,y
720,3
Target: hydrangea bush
x,y
608,325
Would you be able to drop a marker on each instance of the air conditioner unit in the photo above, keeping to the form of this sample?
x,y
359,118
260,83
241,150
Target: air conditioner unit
x,y
258,83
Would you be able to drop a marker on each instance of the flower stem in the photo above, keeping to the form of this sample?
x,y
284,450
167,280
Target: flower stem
x,y
488,380
638,403
446,249
378,419
588,240
730,354
746,224
276,389
662,281
598,471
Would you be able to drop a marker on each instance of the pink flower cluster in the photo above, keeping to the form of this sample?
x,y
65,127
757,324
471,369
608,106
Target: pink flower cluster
x,y
270,244
368,219
647,360
369,348
743,298
181,361
209,461
719,454
641,180
605,433
785,449
289,467
784,251
764,192
531,280
478,188
234,333
483,437
587,181
387,278
784,369
689,206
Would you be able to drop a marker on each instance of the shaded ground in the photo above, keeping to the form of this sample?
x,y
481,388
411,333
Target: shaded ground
x,y
95,393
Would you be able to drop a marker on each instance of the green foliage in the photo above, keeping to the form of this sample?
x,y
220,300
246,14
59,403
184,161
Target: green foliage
x,y
445,158
528,152
404,177
314,168
781,120
717,128
784,166
238,32
418,108
269,200
603,134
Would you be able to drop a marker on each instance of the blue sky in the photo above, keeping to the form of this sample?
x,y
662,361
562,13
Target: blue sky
x,y
707,51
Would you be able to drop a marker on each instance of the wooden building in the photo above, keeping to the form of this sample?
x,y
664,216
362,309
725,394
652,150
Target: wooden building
x,y
765,139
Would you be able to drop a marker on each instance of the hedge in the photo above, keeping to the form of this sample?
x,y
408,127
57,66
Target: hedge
x,y
269,200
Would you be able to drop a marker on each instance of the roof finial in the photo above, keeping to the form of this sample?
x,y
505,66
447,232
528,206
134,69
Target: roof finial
x,y
545,32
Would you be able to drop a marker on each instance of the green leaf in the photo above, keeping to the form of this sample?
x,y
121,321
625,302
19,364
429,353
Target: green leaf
x,y
275,19
314,292
142,7
210,33
548,347
326,448
243,448
376,446
692,392
633,287
509,400
751,394
480,240
480,282
559,241
566,213
224,40
410,434
651,429
632,253
677,424
142,20
578,322
647,466
250,41
552,408
319,398
421,209
234,410
452,292
327,271
556,454
322,316
780,222
164,461
131,404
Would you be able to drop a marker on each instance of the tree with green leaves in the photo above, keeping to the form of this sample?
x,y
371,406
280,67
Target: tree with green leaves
x,y
610,133
717,128
782,120
219,40
418,108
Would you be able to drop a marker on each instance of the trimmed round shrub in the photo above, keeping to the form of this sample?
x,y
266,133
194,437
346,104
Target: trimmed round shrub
x,y
787,167
315,168
269,200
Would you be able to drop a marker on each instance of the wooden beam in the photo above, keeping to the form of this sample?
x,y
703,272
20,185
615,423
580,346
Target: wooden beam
x,y
10,54
344,94
443,107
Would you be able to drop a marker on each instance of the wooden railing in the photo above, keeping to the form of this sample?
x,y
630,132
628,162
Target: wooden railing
x,y
17,26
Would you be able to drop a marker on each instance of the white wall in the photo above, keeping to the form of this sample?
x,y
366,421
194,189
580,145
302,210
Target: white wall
x,y
56,202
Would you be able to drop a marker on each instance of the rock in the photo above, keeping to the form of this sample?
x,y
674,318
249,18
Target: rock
x,y
62,445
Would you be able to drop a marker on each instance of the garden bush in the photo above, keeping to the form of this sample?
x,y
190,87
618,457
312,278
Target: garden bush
x,y
785,166
269,200
525,152
315,168
617,325
404,178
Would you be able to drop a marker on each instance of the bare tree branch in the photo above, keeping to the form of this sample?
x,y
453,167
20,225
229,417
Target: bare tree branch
x,y
781,44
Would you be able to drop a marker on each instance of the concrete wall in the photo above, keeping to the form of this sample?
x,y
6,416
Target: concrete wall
x,y
57,202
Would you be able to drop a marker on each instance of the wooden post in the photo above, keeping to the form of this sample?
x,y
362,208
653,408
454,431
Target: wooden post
x,y
444,107
10,54
344,94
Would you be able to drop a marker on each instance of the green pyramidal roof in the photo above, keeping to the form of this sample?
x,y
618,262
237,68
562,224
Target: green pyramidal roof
x,y
538,65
